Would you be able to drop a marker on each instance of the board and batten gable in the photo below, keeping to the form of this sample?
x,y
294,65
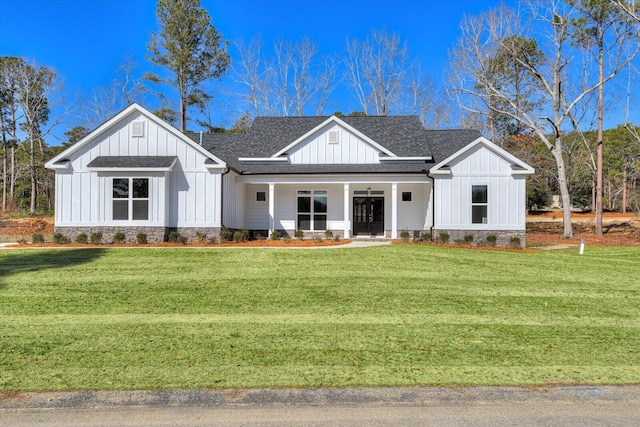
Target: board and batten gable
x,y
333,144
185,195
481,163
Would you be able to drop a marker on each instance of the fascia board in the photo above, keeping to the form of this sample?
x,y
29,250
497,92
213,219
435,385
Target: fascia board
x,y
490,146
263,159
405,159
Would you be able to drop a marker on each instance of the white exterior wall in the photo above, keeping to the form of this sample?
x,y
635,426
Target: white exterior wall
x,y
414,215
316,149
506,197
234,202
257,213
186,199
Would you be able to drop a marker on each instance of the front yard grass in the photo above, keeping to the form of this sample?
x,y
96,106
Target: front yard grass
x,y
101,319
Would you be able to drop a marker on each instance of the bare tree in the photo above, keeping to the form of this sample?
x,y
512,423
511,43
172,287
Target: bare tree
x,y
38,91
376,70
481,40
631,8
603,31
294,81
10,115
105,102
250,73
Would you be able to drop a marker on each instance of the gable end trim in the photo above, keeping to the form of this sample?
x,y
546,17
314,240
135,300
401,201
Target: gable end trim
x,y
334,119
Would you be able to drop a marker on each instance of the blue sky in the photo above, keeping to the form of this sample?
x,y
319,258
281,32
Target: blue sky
x,y
86,40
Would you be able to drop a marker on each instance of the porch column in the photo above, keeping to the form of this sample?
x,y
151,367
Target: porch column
x,y
347,222
272,208
394,210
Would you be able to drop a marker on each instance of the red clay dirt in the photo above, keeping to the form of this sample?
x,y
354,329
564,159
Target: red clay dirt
x,y
620,229
543,229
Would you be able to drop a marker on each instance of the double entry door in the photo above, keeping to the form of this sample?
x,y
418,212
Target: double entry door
x,y
368,216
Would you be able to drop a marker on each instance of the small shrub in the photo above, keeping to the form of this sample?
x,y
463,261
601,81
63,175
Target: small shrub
x,y
274,235
82,238
119,237
201,237
212,240
468,239
141,238
425,236
514,242
404,235
492,239
299,234
21,240
95,238
444,237
258,236
286,238
60,239
336,238
328,234
37,238
173,237
226,235
241,236
183,240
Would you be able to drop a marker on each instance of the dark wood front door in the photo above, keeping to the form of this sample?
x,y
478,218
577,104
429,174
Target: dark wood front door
x,y
368,216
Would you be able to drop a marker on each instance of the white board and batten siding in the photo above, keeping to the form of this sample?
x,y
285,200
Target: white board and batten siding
x,y
187,198
234,204
333,145
506,208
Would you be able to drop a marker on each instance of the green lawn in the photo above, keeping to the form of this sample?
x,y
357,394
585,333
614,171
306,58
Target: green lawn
x,y
381,316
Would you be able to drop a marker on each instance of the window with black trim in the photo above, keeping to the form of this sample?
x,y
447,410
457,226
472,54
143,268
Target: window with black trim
x,y
312,210
406,196
130,199
479,204
261,196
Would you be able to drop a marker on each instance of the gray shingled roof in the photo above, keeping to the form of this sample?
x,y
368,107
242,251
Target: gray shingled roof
x,y
132,162
444,143
402,135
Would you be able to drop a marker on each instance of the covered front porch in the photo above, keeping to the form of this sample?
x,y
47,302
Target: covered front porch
x,y
348,206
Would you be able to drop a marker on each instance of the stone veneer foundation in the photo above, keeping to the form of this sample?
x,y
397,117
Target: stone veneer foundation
x,y
480,236
154,234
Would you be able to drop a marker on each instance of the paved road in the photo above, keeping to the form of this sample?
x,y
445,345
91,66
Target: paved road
x,y
477,406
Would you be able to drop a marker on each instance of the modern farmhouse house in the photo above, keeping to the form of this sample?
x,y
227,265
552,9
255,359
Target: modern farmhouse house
x,y
367,176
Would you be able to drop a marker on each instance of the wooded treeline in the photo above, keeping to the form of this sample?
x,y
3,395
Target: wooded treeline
x,y
538,80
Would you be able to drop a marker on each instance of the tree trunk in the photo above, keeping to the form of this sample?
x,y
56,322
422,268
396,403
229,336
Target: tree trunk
x,y
624,188
34,182
4,165
12,178
593,195
564,190
183,115
600,136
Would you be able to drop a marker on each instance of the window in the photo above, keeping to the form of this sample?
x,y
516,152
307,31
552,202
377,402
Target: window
x,y
478,204
261,196
131,199
312,210
406,196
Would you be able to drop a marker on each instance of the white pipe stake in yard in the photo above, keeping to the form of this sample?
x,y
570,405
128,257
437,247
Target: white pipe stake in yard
x,y
581,246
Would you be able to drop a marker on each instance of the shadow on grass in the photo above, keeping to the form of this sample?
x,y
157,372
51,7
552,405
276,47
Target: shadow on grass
x,y
16,261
